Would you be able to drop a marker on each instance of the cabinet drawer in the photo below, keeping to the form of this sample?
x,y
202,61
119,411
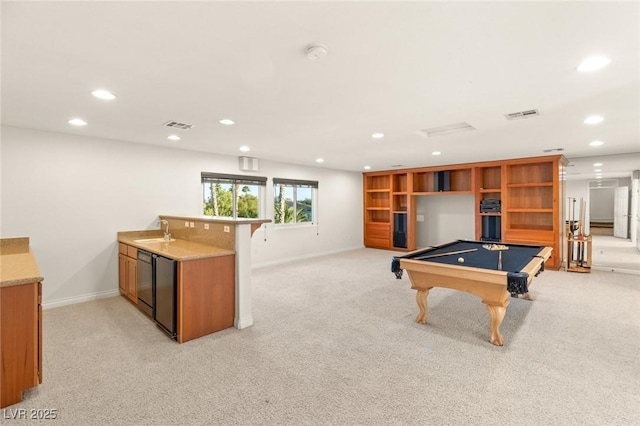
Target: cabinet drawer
x,y
122,248
378,231
132,252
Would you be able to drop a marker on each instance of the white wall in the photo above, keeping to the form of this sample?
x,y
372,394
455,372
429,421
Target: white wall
x,y
447,217
602,204
72,194
578,189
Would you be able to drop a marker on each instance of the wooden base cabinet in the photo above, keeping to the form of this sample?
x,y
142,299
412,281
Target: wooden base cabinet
x,y
128,271
206,296
20,340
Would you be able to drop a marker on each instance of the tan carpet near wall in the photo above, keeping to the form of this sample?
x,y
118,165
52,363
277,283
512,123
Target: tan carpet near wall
x,y
335,342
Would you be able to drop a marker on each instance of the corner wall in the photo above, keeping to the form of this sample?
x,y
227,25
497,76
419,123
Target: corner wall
x,y
72,194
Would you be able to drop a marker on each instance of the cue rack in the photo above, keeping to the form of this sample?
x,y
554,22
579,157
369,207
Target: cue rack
x,y
578,244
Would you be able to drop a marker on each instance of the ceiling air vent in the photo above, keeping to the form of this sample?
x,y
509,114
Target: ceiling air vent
x,y
553,150
522,114
178,125
446,130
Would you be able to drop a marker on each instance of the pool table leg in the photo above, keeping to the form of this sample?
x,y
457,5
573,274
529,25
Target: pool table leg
x,y
421,299
497,315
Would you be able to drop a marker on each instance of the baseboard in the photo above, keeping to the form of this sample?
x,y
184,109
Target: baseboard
x,y
618,270
297,258
79,299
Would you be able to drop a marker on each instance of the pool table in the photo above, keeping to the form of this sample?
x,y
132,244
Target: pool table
x,y
488,270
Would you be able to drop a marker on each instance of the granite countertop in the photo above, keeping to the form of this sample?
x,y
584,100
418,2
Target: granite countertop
x,y
17,264
178,249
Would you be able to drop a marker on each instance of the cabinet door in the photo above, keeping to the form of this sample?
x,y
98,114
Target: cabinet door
x,y
122,273
132,279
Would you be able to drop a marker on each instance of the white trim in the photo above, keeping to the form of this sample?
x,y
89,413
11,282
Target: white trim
x,y
79,299
310,256
616,270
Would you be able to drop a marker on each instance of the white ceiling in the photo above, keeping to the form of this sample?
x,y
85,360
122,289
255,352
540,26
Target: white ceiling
x,y
392,67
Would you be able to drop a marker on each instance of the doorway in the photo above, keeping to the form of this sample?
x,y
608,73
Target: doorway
x,y
613,249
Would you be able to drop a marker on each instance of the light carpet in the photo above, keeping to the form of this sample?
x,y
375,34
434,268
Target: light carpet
x,y
334,342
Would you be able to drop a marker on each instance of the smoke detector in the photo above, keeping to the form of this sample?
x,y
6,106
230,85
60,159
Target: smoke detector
x,y
316,52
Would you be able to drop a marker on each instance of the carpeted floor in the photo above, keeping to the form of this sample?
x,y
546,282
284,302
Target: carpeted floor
x,y
335,343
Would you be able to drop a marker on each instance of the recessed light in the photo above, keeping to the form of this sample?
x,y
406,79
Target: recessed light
x,y
245,148
77,122
596,143
173,137
367,167
436,153
227,121
597,170
593,119
593,63
319,160
103,94
377,135
316,52
597,164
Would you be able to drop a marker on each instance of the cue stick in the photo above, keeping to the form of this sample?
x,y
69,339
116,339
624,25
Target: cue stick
x,y
500,260
445,254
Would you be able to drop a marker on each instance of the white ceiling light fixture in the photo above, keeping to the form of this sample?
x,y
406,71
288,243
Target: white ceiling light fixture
x,y
367,167
319,160
597,170
103,94
316,52
446,130
598,164
596,143
377,135
173,137
245,148
436,153
227,121
593,63
593,119
77,122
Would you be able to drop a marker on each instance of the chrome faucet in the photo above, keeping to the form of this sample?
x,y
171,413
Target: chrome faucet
x,y
167,235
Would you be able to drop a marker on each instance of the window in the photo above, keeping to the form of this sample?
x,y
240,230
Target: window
x,y
294,201
234,196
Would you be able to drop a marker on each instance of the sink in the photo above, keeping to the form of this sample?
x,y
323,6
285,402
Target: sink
x,y
154,240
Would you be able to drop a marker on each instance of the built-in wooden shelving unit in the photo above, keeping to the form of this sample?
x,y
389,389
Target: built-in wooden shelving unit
x,y
525,194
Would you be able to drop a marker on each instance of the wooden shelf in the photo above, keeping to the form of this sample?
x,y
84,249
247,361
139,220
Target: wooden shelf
x,y
489,191
490,214
443,193
378,208
529,185
378,190
529,210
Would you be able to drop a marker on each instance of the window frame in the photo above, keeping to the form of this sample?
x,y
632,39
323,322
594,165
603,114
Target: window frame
x,y
236,181
296,184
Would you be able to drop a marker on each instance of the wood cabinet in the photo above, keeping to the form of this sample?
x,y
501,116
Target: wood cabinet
x,y
206,296
527,193
20,340
128,271
377,210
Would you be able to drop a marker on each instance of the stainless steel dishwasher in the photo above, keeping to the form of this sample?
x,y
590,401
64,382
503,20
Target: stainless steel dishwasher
x,y
145,282
164,310
157,290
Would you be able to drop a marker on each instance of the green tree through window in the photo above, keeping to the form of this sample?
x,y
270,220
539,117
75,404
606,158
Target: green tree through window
x,y
293,201
233,196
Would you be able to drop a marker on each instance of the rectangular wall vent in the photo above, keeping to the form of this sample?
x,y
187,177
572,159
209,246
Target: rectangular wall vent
x,y
248,164
553,150
446,130
178,125
522,114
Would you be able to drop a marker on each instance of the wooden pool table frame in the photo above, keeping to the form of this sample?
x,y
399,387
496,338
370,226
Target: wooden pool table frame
x,y
489,285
